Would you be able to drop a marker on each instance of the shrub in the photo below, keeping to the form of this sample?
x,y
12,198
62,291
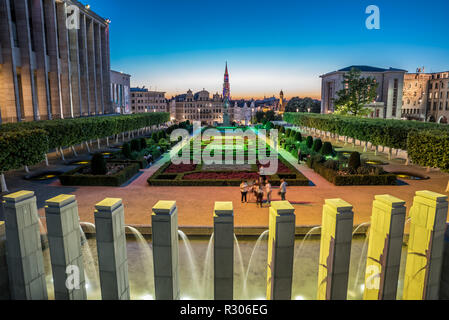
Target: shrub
x,y
126,150
327,149
298,136
135,145
317,145
309,142
98,165
143,143
354,161
288,132
282,130
134,155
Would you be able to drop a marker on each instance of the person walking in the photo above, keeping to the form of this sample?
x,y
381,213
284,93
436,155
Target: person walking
x,y
244,191
283,190
268,190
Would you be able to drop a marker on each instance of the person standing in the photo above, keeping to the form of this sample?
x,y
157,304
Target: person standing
x,y
283,188
268,191
244,191
259,195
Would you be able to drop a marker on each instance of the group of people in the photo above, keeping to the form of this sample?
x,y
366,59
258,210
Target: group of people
x,y
260,189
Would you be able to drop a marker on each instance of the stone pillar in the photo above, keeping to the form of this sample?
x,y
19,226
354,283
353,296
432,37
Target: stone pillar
x,y
281,251
65,248
425,253
24,249
4,280
385,248
444,283
111,248
335,253
165,250
224,251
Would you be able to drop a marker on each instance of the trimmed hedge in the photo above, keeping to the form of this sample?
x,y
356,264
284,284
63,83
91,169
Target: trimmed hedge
x,y
429,149
352,180
70,132
22,148
72,178
380,132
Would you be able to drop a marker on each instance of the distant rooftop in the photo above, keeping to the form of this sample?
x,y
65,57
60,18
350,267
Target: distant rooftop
x,y
370,69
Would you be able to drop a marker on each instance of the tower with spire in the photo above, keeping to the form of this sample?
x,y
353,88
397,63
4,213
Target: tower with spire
x,y
226,98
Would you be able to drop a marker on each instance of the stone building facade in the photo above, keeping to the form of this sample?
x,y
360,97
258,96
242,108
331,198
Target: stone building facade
x,y
426,97
144,100
54,60
388,104
198,107
438,100
415,96
121,92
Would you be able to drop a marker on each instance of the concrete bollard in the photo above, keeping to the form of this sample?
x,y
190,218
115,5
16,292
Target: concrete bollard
x,y
65,248
444,283
224,251
165,250
425,254
281,251
4,280
24,249
111,248
385,248
335,252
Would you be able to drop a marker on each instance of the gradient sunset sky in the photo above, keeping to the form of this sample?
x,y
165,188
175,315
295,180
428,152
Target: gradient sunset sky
x,y
176,45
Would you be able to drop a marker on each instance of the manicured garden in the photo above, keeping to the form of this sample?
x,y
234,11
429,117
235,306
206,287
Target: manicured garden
x,y
427,144
121,166
334,166
208,174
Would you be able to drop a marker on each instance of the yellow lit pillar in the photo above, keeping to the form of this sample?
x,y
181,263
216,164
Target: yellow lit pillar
x,y
281,249
385,248
425,253
335,252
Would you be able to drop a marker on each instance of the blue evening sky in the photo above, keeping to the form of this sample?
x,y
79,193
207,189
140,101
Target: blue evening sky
x,y
176,45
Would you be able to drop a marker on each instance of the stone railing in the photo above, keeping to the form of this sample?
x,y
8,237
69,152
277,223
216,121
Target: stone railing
x,y
428,253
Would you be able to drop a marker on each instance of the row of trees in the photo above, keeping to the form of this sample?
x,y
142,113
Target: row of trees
x,y
303,105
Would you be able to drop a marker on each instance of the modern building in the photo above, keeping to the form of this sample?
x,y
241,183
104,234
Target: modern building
x,y
54,60
120,92
388,103
144,100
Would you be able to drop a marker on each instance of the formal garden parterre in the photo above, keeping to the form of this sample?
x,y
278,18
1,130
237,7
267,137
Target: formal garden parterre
x,y
215,173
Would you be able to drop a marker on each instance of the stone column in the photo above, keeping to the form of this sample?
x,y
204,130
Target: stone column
x,y
224,251
4,280
335,253
165,250
385,248
425,253
281,251
111,248
24,249
444,283
65,248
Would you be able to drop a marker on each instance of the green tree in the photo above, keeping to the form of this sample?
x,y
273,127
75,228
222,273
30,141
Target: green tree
x,y
357,93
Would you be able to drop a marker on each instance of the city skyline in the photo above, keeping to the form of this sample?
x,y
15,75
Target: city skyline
x,y
177,46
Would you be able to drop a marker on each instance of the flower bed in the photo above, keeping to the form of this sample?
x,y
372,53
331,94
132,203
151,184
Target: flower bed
x,y
166,176
181,168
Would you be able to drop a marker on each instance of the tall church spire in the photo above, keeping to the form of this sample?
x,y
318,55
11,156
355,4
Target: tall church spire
x,y
226,85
